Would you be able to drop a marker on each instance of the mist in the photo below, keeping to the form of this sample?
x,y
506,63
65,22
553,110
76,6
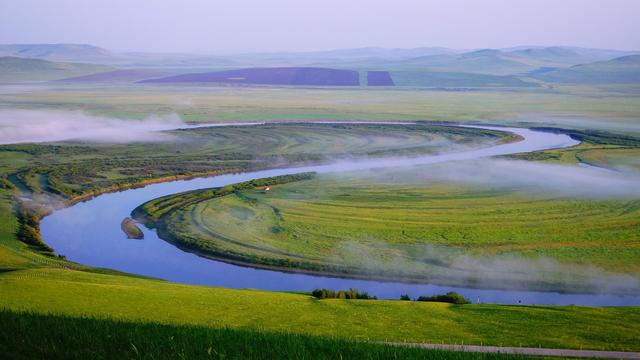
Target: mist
x,y
33,126
516,175
450,266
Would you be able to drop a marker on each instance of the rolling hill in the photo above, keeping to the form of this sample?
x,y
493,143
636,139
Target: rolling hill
x,y
16,69
623,70
456,79
487,61
552,56
270,76
500,62
58,52
118,76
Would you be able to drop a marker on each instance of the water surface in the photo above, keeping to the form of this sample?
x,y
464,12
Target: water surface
x,y
89,233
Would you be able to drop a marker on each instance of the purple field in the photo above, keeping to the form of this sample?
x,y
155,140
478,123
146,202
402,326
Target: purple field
x,y
270,76
127,75
379,78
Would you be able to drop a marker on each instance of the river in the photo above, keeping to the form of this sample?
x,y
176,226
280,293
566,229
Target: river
x,y
89,233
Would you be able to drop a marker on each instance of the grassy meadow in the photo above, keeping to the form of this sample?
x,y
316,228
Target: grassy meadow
x,y
392,226
603,107
123,298
65,337
38,289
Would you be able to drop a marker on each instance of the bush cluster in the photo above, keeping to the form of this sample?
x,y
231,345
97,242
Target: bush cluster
x,y
342,294
29,230
450,297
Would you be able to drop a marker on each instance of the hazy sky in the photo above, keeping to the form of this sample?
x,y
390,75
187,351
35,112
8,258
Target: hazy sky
x,y
270,25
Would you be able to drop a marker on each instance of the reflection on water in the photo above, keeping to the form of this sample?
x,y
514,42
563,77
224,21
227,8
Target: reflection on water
x,y
89,233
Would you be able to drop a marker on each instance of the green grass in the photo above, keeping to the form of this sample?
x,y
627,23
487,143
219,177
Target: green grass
x,y
34,282
395,225
76,170
65,337
608,108
104,296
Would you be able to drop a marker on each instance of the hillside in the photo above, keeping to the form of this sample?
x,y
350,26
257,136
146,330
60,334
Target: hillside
x,y
58,52
455,79
552,56
623,70
501,62
270,76
485,61
15,69
118,76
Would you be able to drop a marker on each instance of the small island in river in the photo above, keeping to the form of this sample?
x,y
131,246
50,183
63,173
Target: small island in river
x,y
131,229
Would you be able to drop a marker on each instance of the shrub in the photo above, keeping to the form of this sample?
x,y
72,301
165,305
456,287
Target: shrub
x,y
450,297
342,294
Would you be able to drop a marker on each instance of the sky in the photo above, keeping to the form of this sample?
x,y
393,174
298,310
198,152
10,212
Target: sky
x,y
213,26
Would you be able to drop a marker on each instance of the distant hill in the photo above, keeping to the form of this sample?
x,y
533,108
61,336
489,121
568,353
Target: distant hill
x,y
118,76
446,79
502,62
16,69
96,55
486,61
58,52
517,60
270,76
623,70
552,56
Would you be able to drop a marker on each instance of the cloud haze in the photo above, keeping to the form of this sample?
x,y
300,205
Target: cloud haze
x,y
245,25
26,126
519,175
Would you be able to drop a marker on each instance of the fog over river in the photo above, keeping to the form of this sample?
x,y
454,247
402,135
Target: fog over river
x,y
89,233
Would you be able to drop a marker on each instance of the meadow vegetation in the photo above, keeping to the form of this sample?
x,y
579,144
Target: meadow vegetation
x,y
113,296
141,317
395,225
609,108
67,337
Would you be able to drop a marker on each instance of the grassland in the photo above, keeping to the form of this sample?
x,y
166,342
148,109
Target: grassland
x,y
608,108
34,281
108,296
65,337
392,225
54,174
90,168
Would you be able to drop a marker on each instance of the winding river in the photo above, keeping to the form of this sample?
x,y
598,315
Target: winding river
x,y
89,233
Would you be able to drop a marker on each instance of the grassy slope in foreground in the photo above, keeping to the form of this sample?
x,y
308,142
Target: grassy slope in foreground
x,y
77,293
64,337
398,226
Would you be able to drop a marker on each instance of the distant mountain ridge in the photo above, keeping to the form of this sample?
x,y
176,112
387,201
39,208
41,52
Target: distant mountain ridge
x,y
57,52
516,59
426,66
16,69
622,70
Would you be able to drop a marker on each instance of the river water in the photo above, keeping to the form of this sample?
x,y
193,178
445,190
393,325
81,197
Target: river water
x,y
89,233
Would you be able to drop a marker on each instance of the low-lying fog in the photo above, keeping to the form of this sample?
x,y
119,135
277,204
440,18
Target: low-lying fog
x,y
23,126
534,177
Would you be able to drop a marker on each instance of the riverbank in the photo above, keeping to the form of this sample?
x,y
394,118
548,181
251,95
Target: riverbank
x,y
76,293
254,228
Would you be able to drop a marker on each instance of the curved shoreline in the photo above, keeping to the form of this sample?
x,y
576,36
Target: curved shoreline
x,y
164,260
158,220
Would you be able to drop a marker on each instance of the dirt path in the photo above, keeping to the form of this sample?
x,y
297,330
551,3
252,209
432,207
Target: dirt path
x,y
527,351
